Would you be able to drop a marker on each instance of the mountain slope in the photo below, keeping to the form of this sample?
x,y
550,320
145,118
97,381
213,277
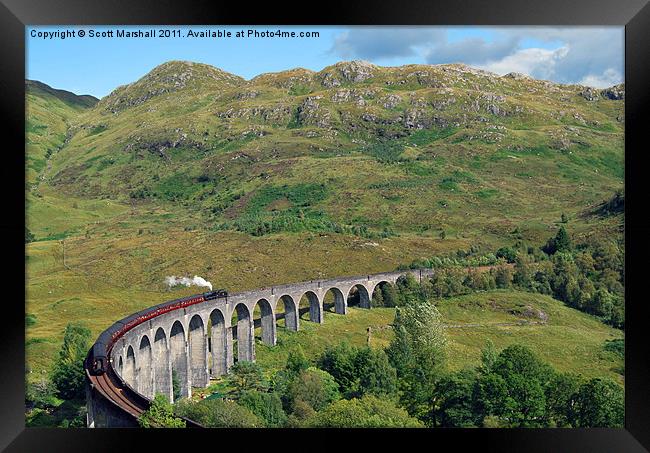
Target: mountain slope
x,y
48,112
354,148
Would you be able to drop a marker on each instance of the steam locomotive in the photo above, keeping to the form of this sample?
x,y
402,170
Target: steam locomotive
x,y
98,354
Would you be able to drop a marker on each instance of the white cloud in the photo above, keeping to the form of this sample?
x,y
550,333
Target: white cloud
x,y
535,62
588,55
608,78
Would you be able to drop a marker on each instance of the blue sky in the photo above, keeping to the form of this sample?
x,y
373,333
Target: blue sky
x,y
588,55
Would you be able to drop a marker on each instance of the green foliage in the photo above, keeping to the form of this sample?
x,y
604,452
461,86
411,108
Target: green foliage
x,y
176,385
68,373
267,406
507,253
41,394
599,403
389,295
160,415
176,187
296,222
418,354
449,184
218,413
359,370
616,346
560,394
588,278
297,361
489,356
246,376
316,388
29,237
454,406
560,243
366,412
299,196
523,273
503,276
514,390
30,320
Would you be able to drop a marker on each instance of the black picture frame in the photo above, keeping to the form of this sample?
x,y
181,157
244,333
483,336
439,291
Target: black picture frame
x,y
15,15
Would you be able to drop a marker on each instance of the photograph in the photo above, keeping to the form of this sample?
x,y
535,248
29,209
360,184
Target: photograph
x,y
287,226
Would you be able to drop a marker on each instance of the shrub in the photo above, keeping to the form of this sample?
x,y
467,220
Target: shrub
x,y
217,413
160,415
366,412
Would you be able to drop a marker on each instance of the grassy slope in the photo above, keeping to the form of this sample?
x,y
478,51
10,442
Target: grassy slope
x,y
571,341
48,113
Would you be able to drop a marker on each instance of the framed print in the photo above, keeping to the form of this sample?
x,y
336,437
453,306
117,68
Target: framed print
x,y
383,217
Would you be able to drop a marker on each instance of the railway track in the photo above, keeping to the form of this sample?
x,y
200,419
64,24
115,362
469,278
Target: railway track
x,y
113,390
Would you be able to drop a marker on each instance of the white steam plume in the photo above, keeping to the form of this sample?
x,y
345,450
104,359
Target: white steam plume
x,y
196,281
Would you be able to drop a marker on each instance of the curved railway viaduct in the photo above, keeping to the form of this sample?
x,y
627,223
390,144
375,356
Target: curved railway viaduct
x,y
201,341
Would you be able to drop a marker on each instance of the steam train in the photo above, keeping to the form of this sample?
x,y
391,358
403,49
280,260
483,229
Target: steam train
x,y
98,354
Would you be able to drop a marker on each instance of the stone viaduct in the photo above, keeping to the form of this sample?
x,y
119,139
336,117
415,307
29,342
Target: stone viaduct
x,y
204,340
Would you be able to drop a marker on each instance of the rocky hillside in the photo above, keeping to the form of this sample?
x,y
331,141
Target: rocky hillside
x,y
415,148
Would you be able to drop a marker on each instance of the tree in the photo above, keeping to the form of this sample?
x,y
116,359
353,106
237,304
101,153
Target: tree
x,y
389,295
68,373
562,241
564,218
267,406
377,297
217,413
565,277
503,277
507,253
560,398
599,403
315,387
160,415
455,407
408,289
514,389
601,304
359,370
297,361
489,356
375,374
366,412
418,354
339,362
523,275
246,376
